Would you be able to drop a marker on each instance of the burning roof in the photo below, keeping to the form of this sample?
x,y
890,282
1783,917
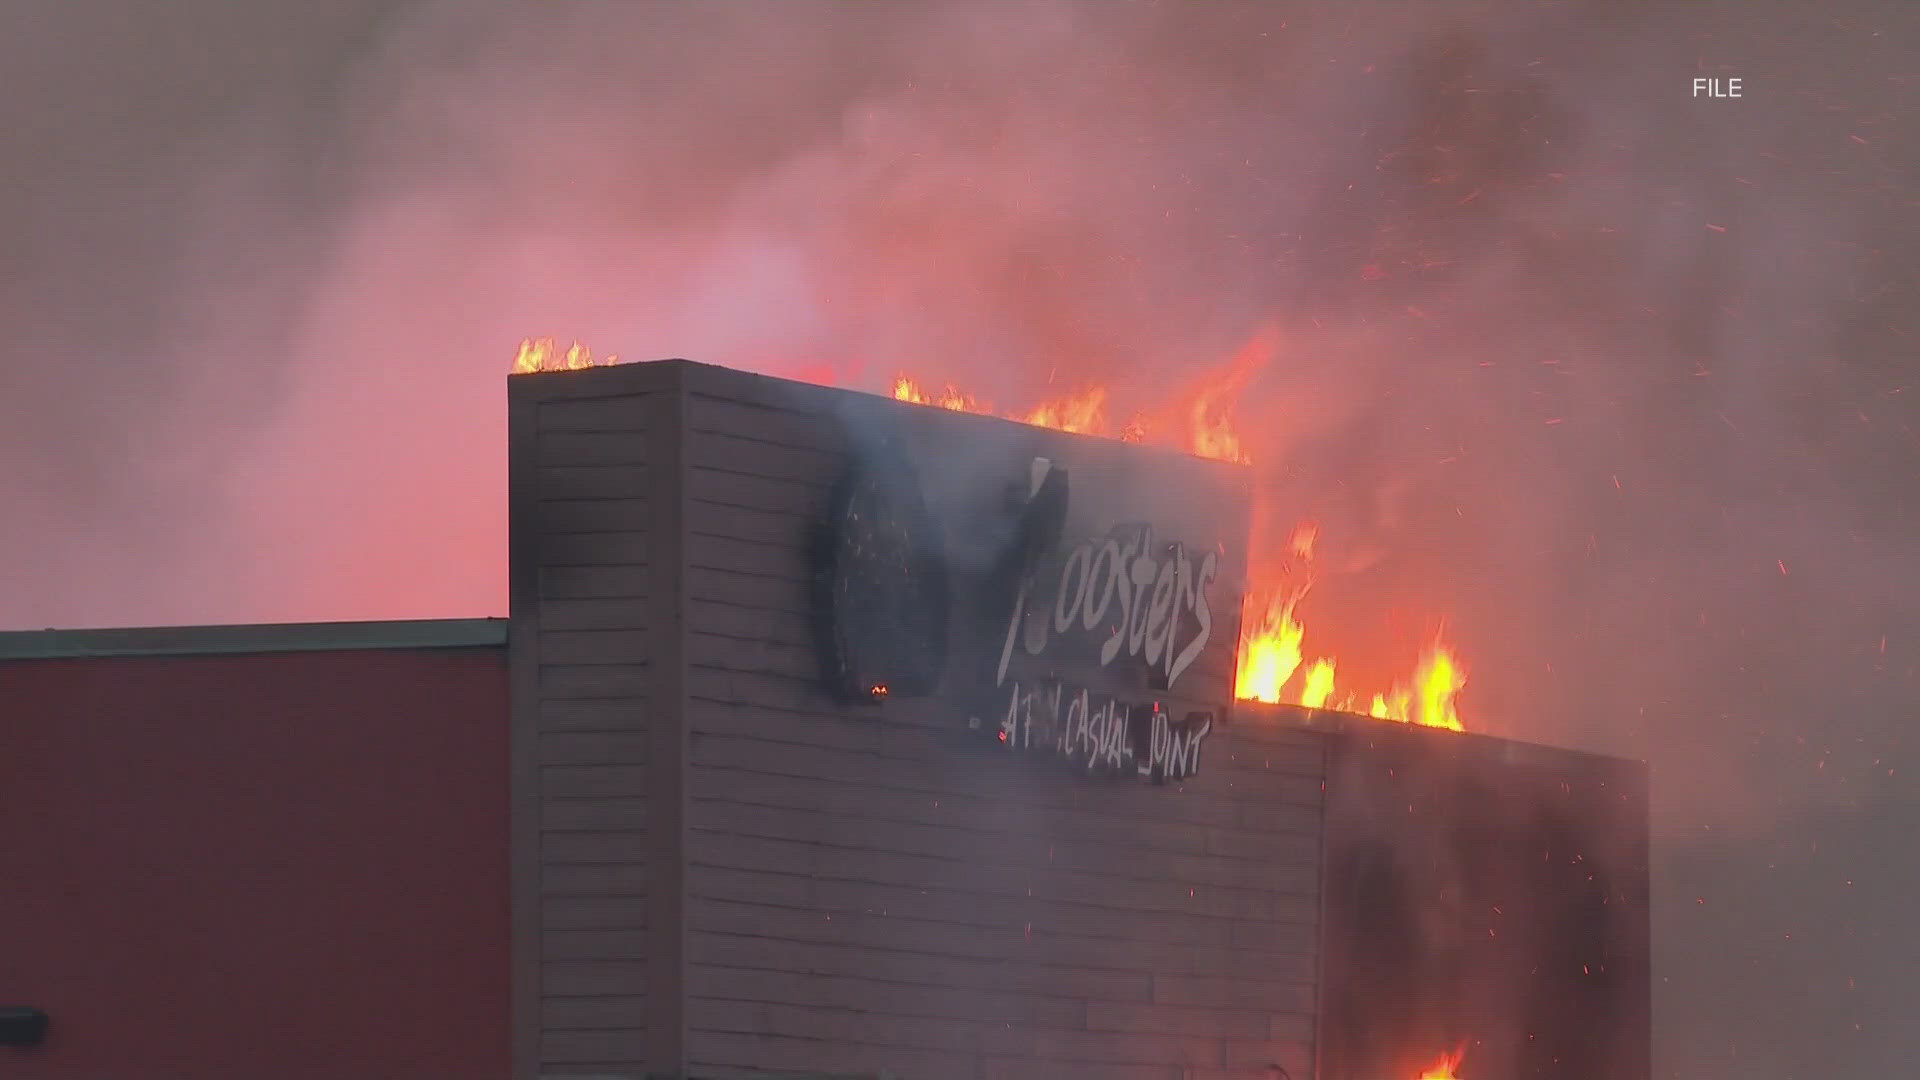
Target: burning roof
x,y
1273,648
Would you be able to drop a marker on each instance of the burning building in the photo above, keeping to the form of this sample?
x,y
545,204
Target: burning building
x,y
837,735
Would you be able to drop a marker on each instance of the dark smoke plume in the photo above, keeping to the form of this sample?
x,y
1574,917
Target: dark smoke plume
x,y
1617,381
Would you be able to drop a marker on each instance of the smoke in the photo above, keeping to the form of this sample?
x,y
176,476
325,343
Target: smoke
x,y
1613,379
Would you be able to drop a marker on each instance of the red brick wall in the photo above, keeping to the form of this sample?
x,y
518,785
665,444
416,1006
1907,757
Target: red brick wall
x,y
289,865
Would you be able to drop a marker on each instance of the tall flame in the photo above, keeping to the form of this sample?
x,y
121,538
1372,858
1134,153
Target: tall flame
x,y
1270,653
1442,1068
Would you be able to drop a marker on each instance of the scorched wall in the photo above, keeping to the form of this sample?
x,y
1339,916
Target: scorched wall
x,y
867,888
834,756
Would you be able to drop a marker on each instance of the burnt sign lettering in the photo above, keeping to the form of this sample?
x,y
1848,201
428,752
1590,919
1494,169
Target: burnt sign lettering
x,y
1101,735
1092,637
1144,603
1094,642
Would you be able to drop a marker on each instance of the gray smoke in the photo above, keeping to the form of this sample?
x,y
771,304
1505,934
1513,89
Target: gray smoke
x,y
1616,381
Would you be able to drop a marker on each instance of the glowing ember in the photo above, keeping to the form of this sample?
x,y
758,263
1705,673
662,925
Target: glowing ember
x,y
1442,1069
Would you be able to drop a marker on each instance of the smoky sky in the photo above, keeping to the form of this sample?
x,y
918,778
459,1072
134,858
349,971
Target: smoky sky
x,y
1615,382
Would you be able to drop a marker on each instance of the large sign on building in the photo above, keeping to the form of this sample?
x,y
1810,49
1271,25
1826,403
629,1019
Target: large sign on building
x,y
1068,598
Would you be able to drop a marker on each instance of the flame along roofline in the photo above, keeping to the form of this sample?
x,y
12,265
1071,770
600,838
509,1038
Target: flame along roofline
x,y
253,638
1469,743
677,374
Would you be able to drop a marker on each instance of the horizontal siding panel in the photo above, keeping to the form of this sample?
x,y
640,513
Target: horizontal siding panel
x,y
1037,846
1293,1055
1241,767
626,548
767,560
875,995
994,1067
560,517
594,680
592,781
903,933
856,929
594,1013
1245,1023
568,879
594,582
708,1050
594,944
598,1070
1290,846
847,1026
1257,726
1108,1049
756,457
922,872
750,886
595,714
806,501
859,734
1283,952
587,848
723,620
780,758
1021,975
784,428
986,772
595,614
621,413
725,586
1289,997
706,518
593,913
789,692
561,447
1043,916
561,647
594,748
592,1046
574,815
593,481
761,656
813,793
593,978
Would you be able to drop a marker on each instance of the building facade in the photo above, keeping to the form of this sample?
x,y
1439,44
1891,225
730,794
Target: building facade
x,y
827,736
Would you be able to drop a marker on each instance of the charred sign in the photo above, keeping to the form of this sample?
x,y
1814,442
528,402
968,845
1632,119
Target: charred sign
x,y
1078,620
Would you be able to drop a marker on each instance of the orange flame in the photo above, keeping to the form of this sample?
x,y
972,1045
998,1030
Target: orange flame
x,y
1442,1068
544,354
1270,652
1214,434
1084,414
905,389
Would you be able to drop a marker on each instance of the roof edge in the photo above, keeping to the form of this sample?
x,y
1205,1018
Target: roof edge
x,y
1502,748
256,638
